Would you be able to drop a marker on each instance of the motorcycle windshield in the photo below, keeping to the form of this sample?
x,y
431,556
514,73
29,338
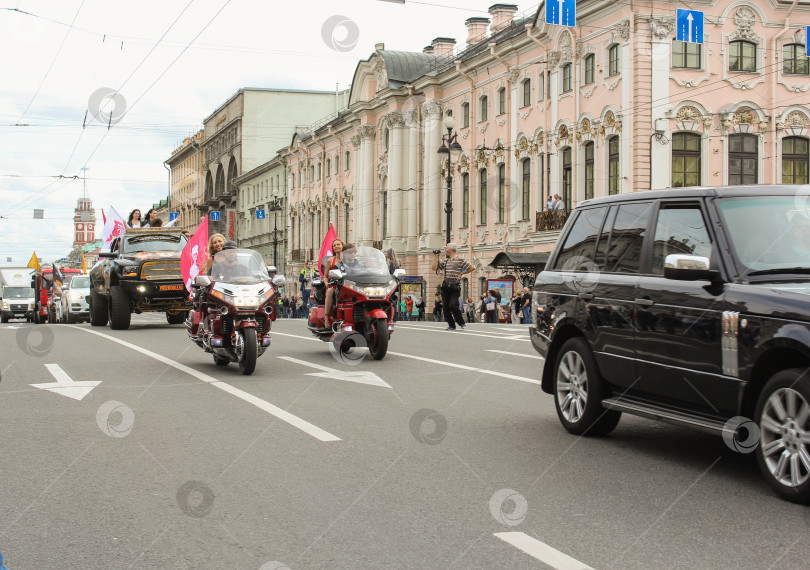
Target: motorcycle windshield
x,y
366,262
240,266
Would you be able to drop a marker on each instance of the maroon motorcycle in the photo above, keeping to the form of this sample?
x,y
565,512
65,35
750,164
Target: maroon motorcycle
x,y
237,306
362,311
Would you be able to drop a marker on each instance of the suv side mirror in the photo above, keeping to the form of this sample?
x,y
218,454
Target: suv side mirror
x,y
684,267
202,281
110,254
399,273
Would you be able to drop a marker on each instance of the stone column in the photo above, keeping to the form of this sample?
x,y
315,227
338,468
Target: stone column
x,y
433,182
357,167
366,188
411,231
396,172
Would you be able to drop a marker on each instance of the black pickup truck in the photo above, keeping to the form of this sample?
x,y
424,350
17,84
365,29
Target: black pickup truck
x,y
140,273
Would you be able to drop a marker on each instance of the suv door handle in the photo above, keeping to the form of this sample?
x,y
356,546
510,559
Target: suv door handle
x,y
645,302
585,296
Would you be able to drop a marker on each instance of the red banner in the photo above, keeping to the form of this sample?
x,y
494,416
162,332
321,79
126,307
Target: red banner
x,y
326,248
195,254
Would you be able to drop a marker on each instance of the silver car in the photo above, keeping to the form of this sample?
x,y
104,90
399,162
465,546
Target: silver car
x,y
74,307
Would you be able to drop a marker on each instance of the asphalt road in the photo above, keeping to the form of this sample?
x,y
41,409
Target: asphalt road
x,y
446,454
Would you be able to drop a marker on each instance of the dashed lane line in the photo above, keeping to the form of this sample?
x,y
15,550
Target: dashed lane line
x,y
533,356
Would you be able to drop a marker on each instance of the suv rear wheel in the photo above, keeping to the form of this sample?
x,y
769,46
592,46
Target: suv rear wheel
x,y
579,391
99,312
120,311
783,417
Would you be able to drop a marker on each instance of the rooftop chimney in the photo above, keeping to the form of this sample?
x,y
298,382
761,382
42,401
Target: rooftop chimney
x,y
427,49
476,29
443,46
501,16
379,47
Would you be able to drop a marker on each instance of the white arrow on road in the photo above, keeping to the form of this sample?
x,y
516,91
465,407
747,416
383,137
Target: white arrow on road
x,y
689,19
65,385
359,376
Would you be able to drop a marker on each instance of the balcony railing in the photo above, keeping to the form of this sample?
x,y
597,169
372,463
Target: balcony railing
x,y
551,220
377,244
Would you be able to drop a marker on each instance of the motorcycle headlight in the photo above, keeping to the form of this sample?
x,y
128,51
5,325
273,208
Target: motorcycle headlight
x,y
245,301
371,291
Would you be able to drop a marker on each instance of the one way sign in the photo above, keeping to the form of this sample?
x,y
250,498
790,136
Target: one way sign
x,y
561,12
690,26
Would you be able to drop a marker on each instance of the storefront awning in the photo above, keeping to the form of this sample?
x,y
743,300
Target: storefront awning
x,y
526,265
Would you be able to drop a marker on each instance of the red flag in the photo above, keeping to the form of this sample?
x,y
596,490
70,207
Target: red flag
x,y
194,255
326,248
103,215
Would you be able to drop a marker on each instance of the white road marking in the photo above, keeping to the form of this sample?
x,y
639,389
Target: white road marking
x,y
541,551
359,376
65,385
470,332
517,354
281,414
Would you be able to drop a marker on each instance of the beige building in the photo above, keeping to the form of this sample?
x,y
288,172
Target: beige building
x,y
186,181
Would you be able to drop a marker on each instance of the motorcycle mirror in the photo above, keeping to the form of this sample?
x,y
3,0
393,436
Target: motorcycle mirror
x,y
271,269
336,274
279,280
202,281
399,273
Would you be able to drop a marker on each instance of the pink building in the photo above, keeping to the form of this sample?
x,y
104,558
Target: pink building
x,y
614,105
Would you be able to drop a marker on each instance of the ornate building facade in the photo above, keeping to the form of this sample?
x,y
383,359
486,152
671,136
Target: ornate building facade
x,y
186,181
614,105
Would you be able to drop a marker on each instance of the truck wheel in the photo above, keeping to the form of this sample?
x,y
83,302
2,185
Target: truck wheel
x,y
98,310
120,311
177,318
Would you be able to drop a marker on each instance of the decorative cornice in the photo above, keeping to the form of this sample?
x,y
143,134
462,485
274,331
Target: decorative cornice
x,y
410,117
662,27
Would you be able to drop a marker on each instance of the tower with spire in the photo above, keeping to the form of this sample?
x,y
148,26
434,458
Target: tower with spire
x,y
84,218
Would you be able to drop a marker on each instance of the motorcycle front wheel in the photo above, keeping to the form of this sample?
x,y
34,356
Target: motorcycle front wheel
x,y
249,351
378,339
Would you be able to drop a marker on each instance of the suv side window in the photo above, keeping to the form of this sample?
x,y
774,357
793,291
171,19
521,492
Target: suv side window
x,y
680,229
581,240
627,238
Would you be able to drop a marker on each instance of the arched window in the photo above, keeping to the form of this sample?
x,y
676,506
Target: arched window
x,y
685,160
742,159
742,56
465,200
482,195
566,77
328,167
614,65
613,165
526,180
292,180
501,101
482,285
795,60
319,171
567,177
347,161
346,221
501,192
465,115
484,103
590,67
589,169
794,160
527,92
386,139
685,55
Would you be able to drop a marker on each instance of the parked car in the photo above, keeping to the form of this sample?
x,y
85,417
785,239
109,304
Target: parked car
x,y
687,306
74,306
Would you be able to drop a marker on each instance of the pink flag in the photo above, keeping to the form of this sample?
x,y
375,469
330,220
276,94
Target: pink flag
x,y
194,255
114,226
103,215
326,248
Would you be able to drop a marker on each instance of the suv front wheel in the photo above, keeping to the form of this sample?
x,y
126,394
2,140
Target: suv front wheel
x,y
783,418
579,391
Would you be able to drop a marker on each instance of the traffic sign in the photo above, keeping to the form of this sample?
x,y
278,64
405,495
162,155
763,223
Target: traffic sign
x,y
689,26
561,12
260,214
214,216
807,43
173,215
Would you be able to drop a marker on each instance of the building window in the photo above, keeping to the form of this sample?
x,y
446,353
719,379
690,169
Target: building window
x,y
589,170
465,200
484,101
346,222
795,60
613,165
548,85
328,167
526,189
501,101
347,161
527,93
501,192
311,174
742,56
386,140
590,66
465,115
482,195
685,55
292,233
567,177
614,65
566,73
685,160
385,215
794,160
742,159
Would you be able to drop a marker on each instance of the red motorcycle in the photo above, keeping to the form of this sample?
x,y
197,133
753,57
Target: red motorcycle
x,y
233,320
362,311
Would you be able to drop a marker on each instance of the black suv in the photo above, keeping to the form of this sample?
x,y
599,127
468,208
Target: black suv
x,y
687,306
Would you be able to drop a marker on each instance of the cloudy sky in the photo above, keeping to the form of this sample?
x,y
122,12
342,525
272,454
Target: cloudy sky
x,y
173,63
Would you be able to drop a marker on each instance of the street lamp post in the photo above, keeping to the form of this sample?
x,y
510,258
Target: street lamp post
x,y
449,143
275,208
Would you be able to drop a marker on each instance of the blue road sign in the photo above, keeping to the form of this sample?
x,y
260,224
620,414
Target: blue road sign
x,y
260,214
561,12
214,216
689,26
173,215
807,43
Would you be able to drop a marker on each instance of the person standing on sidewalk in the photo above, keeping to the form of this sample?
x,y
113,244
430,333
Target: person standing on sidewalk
x,y
305,278
516,302
526,306
454,267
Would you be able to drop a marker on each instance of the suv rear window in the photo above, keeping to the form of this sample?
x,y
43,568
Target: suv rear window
x,y
626,239
581,240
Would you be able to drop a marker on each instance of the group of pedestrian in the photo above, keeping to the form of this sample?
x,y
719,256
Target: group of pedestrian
x,y
555,202
151,219
292,307
410,309
521,307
